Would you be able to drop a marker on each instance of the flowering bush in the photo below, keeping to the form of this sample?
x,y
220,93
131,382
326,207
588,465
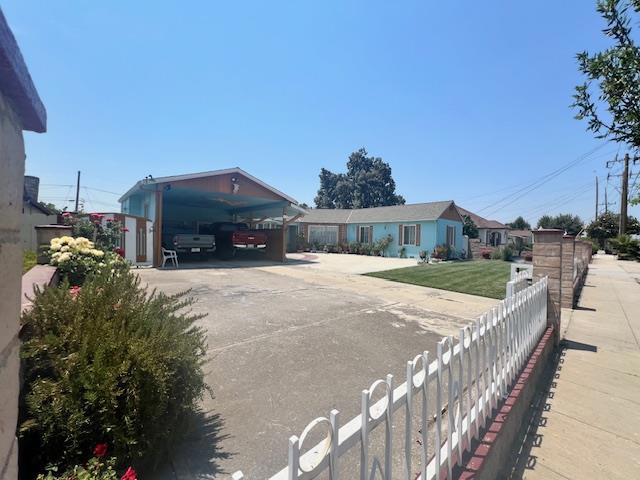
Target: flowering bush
x,y
486,253
77,257
106,235
97,468
110,361
441,252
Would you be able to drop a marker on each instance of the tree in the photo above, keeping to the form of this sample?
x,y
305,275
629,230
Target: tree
x,y
51,207
469,227
367,183
614,74
607,226
519,224
572,224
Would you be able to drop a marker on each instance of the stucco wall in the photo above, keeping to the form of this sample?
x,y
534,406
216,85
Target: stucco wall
x,y
432,233
30,218
442,233
11,185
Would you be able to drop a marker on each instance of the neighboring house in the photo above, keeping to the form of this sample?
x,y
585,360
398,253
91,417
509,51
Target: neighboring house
x,y
524,236
415,227
490,232
33,213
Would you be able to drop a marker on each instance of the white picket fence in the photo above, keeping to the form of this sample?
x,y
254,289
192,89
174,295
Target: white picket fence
x,y
468,380
519,281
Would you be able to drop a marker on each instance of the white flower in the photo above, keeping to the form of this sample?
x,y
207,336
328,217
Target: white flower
x,y
97,253
55,247
64,257
66,248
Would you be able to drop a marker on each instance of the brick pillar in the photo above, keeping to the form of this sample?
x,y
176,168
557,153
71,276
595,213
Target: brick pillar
x,y
569,252
547,261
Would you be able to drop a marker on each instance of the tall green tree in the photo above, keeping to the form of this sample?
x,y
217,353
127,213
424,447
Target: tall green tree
x,y
572,224
367,183
519,224
469,227
607,226
609,98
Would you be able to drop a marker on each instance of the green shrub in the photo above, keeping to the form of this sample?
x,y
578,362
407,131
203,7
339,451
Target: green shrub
x,y
506,253
381,246
624,245
496,254
108,362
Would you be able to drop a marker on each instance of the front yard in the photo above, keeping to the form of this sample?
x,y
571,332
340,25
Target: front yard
x,y
486,278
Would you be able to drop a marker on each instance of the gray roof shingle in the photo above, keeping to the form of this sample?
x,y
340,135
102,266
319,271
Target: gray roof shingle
x,y
396,213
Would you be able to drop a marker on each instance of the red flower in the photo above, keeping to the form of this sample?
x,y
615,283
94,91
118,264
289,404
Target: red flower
x,y
100,450
125,229
130,474
119,251
74,291
109,219
66,214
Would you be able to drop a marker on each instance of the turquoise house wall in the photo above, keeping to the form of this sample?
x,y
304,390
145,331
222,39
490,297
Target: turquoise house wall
x,y
442,233
134,205
428,236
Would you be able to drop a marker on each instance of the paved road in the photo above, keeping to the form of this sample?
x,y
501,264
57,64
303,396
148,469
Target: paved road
x,y
288,343
590,423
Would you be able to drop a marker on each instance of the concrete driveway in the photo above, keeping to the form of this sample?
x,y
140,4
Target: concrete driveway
x,y
287,343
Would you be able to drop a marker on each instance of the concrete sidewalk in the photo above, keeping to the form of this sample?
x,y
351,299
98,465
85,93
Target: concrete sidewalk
x,y
588,424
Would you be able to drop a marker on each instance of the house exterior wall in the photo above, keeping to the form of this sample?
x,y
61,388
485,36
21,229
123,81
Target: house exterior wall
x,y
432,233
12,157
30,218
442,233
482,235
135,205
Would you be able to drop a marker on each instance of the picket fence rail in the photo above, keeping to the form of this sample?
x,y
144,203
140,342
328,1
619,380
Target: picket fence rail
x,y
476,373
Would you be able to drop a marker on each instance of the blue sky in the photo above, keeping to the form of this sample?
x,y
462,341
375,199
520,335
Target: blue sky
x,y
466,100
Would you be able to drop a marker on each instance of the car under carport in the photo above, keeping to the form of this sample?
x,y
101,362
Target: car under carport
x,y
194,202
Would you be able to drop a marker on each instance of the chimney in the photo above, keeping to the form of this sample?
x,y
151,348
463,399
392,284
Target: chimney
x,y
31,187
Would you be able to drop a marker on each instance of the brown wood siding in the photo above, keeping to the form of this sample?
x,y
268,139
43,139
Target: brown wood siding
x,y
222,184
342,233
418,235
451,213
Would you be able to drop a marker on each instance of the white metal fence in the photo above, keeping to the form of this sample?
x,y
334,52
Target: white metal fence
x,y
452,398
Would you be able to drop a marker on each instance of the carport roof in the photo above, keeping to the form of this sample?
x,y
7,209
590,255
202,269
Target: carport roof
x,y
212,173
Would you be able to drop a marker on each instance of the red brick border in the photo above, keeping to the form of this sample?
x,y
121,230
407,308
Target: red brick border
x,y
474,466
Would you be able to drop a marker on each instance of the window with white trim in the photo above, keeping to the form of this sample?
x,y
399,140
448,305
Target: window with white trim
x,y
451,235
323,234
365,231
409,235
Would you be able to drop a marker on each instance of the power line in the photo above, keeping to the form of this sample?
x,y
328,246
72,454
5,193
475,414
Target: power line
x,y
539,182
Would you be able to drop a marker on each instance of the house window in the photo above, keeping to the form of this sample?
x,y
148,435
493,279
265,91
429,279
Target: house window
x,y
409,235
323,234
451,235
365,234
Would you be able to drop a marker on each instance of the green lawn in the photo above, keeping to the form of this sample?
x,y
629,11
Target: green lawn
x,y
28,261
486,278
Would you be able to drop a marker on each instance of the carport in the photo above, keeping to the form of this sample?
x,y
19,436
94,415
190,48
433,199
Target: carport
x,y
187,203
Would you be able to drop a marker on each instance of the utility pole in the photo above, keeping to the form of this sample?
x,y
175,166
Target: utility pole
x,y
77,192
596,216
624,191
624,195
